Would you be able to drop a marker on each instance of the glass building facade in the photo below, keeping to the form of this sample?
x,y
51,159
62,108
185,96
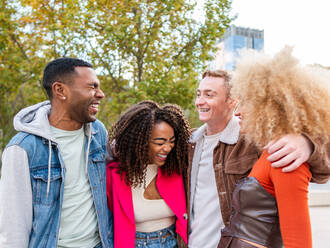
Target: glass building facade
x,y
234,39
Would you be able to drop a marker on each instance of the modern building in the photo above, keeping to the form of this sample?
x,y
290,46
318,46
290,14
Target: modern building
x,y
235,39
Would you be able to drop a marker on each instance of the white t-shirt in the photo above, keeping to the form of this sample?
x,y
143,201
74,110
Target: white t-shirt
x,y
206,219
78,223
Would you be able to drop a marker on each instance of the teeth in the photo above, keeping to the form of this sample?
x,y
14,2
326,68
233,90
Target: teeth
x,y
162,156
203,110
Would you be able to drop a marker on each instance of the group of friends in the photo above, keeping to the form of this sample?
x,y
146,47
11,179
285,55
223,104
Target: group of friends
x,y
240,180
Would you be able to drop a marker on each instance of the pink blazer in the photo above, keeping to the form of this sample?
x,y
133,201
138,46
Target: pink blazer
x,y
120,201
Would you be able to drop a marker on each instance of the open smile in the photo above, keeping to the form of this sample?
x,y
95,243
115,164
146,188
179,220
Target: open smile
x,y
94,107
162,157
203,110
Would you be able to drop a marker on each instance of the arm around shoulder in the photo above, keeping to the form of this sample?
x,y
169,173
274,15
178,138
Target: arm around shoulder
x,y
15,199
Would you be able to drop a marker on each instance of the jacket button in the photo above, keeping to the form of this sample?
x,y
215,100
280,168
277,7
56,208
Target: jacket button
x,y
185,216
218,165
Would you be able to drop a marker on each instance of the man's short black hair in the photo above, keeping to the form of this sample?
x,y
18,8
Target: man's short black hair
x,y
58,70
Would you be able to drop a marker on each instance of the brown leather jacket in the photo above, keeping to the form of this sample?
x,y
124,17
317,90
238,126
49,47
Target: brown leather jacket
x,y
233,162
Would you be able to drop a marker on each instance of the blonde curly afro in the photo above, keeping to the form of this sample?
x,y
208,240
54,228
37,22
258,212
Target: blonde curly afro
x,y
280,96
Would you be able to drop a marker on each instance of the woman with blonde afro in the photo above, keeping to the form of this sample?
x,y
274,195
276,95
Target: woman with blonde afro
x,y
276,96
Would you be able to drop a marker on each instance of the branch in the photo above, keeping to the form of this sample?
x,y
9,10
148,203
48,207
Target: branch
x,y
20,47
19,95
116,38
179,54
106,66
142,51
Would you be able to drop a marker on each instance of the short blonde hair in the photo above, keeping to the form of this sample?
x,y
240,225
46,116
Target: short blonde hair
x,y
220,74
281,97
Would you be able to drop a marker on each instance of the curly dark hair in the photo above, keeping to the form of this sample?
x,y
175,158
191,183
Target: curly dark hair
x,y
131,135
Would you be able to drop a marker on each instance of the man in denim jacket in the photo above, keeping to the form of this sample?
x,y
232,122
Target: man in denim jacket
x,y
52,190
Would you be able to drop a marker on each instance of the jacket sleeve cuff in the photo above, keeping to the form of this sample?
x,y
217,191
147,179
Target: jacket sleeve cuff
x,y
319,160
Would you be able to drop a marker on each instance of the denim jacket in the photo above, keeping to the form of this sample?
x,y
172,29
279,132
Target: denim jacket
x,y
47,174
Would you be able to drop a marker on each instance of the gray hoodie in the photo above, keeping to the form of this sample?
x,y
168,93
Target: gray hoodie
x,y
15,185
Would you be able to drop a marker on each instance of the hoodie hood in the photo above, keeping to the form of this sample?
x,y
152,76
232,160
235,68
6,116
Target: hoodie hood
x,y
34,120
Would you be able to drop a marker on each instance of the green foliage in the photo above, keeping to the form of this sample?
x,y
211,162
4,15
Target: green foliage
x,y
20,69
141,49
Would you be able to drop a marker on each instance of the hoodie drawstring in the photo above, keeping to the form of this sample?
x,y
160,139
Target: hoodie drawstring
x,y
87,151
50,158
49,165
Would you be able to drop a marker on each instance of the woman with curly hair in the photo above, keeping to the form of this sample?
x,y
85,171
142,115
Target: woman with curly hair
x,y
145,183
277,96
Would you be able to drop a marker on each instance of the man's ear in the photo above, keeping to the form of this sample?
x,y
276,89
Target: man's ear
x,y
232,102
59,91
236,103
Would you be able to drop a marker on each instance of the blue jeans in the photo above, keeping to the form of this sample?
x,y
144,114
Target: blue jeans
x,y
165,238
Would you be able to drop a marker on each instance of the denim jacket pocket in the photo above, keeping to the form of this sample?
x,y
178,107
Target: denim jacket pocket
x,y
99,163
98,157
39,184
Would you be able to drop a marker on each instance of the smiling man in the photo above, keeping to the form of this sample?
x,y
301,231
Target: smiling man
x,y
52,190
219,157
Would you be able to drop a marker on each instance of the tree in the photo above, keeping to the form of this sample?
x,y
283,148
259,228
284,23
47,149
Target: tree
x,y
20,69
141,49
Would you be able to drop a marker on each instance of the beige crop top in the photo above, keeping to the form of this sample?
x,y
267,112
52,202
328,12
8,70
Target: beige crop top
x,y
150,215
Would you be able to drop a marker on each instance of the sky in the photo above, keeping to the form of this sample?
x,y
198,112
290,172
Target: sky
x,y
303,24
